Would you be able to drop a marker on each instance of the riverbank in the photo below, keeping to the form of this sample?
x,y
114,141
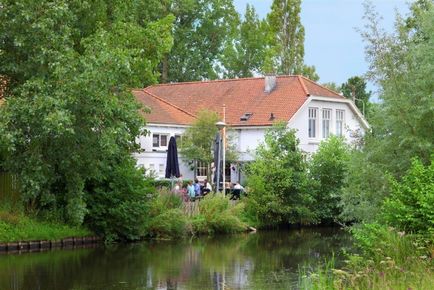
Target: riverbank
x,y
16,227
168,217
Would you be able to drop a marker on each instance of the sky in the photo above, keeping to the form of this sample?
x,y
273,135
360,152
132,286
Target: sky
x,y
332,43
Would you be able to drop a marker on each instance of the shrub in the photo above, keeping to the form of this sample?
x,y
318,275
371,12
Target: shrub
x,y
327,171
166,218
118,204
410,206
217,215
278,181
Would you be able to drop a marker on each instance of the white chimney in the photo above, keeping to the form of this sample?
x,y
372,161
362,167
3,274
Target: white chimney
x,y
270,83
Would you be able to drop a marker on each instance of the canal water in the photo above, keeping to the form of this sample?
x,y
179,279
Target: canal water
x,y
262,260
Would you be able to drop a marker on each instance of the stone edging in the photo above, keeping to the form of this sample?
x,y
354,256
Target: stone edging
x,y
30,246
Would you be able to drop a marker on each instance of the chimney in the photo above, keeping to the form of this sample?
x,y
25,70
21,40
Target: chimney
x,y
270,83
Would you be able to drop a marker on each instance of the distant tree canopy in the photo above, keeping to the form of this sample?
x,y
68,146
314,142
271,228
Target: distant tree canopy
x,y
355,88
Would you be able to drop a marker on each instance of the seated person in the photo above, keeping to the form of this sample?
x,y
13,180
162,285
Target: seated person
x,y
236,191
197,188
190,191
207,188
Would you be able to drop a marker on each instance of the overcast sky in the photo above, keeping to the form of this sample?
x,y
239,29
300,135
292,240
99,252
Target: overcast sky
x,y
331,42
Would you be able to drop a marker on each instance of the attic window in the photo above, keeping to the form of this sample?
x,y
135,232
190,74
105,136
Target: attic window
x,y
246,116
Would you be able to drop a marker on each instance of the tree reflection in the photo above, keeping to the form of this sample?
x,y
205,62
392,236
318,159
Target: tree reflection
x,y
247,261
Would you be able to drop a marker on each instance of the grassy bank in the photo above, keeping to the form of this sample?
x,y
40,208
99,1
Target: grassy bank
x,y
18,227
394,261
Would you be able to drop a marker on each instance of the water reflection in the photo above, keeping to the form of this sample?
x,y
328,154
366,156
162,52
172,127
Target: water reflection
x,y
265,260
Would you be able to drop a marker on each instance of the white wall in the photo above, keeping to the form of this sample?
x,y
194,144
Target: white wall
x,y
300,123
156,157
247,139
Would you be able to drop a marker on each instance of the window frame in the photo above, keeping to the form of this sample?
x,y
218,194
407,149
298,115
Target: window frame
x,y
326,118
159,140
316,123
341,121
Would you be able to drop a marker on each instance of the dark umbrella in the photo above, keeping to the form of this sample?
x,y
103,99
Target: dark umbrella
x,y
218,177
172,164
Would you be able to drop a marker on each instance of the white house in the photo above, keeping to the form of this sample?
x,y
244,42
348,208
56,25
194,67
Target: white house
x,y
252,106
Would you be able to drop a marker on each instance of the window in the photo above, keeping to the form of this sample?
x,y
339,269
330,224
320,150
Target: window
x,y
201,169
178,139
161,170
151,169
326,116
159,140
313,113
340,115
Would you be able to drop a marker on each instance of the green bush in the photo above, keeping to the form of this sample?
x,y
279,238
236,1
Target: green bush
x,y
118,204
166,218
410,206
217,215
327,171
278,182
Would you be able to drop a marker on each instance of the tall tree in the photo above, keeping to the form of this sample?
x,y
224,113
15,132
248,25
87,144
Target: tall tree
x,y
244,56
201,30
70,116
355,89
402,128
286,40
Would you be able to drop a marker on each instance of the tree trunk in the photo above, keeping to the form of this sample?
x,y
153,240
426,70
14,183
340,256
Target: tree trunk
x,y
165,69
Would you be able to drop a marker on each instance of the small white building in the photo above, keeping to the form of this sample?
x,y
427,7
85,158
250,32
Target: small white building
x,y
252,106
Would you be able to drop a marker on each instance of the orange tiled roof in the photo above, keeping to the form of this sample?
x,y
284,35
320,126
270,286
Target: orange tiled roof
x,y
179,103
162,111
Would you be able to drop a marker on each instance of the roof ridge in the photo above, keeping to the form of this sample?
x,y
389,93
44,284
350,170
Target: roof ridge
x,y
216,81
203,82
322,86
168,103
303,85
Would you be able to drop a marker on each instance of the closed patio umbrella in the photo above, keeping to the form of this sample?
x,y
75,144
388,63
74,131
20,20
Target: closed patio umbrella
x,y
172,164
218,177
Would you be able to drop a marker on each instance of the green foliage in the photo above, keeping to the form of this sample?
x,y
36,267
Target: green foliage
x,y
355,87
166,218
285,41
410,205
278,182
15,226
217,215
328,170
245,55
402,65
198,140
332,86
118,203
201,30
365,188
70,115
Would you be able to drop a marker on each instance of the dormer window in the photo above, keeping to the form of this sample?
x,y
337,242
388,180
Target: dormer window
x,y
246,116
